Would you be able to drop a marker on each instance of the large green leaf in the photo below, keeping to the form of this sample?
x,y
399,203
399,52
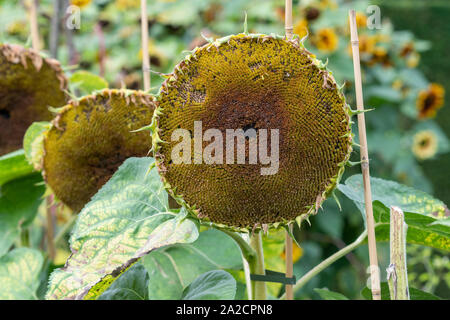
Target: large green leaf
x,y
19,274
212,285
14,165
173,268
19,202
125,220
415,294
422,211
132,285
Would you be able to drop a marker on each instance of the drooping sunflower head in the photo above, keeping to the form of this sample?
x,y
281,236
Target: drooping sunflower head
x,y
90,138
430,100
425,144
29,84
279,100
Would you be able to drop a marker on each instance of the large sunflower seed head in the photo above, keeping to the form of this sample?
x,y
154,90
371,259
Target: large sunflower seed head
x,y
254,82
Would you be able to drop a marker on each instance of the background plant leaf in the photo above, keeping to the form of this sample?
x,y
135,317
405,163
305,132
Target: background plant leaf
x,y
19,202
415,294
87,82
132,285
125,220
326,294
212,285
14,165
173,268
33,142
19,274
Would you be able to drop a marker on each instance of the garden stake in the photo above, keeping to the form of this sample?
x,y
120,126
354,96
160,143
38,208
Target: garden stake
x,y
374,270
289,264
54,29
397,275
34,25
144,40
288,248
73,55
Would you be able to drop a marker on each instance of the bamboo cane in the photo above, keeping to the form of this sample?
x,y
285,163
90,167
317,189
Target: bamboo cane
x,y
54,29
34,25
144,40
288,248
374,269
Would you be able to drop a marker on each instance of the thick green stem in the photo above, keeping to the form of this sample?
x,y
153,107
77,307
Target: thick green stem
x,y
249,258
25,237
327,262
258,287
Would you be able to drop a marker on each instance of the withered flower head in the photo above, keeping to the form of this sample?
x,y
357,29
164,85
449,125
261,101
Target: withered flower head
x,y
29,84
254,82
90,138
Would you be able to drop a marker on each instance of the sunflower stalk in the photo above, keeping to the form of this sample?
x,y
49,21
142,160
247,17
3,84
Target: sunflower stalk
x,y
258,287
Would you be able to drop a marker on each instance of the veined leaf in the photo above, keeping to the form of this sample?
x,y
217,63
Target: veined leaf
x,y
173,268
14,165
19,274
19,202
212,285
391,193
421,228
125,220
422,211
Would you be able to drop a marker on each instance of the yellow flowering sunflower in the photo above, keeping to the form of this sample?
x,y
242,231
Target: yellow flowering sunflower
x,y
297,253
326,40
80,3
361,20
301,28
127,4
430,100
425,144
